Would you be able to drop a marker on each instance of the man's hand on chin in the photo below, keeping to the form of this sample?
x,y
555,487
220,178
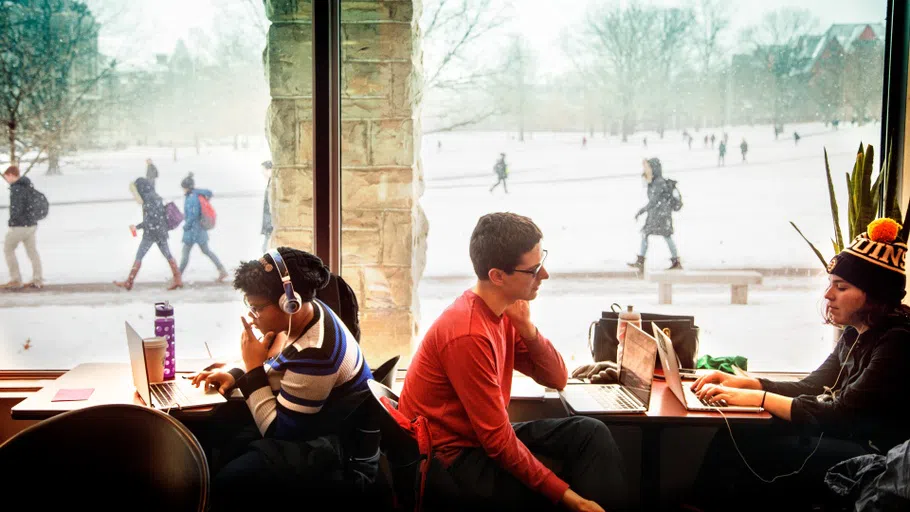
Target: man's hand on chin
x,y
519,312
573,501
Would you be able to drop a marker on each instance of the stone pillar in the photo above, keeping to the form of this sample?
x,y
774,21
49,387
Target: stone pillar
x,y
383,227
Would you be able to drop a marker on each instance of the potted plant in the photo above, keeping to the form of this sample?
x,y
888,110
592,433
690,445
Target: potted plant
x,y
864,200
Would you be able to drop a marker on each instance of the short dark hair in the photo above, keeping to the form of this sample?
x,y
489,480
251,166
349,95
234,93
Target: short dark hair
x,y
499,240
308,275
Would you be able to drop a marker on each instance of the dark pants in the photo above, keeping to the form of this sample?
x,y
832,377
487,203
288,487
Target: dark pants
x,y
504,186
724,481
204,247
147,243
590,463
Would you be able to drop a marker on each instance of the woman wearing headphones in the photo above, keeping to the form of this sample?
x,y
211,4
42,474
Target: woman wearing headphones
x,y
851,405
303,381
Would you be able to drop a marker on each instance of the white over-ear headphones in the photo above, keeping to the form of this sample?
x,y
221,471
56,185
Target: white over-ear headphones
x,y
290,302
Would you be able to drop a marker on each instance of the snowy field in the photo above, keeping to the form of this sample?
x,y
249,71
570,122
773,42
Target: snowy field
x,y
584,199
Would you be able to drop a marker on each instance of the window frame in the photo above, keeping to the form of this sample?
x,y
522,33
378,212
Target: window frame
x,y
327,137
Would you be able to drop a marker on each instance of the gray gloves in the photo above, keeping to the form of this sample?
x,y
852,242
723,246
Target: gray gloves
x,y
604,372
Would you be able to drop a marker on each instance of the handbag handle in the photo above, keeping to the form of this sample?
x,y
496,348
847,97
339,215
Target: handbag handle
x,y
591,337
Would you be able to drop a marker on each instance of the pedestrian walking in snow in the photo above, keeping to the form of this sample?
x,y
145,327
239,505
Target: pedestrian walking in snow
x,y
502,173
26,207
194,233
154,232
663,199
744,148
721,153
151,172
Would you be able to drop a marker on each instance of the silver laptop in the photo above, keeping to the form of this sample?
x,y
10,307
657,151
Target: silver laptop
x,y
632,394
670,363
172,394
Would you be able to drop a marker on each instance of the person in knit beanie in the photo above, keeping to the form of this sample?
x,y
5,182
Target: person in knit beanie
x,y
845,408
300,380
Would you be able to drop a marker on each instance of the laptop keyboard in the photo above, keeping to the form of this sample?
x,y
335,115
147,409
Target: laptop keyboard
x,y
168,394
612,398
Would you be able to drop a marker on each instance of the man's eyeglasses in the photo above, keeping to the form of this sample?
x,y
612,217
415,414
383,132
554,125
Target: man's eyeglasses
x,y
536,269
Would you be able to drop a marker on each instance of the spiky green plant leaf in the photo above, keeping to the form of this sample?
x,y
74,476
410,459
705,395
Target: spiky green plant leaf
x,y
817,252
835,216
867,207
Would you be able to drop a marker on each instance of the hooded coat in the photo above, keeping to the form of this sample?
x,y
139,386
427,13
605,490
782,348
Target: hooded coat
x,y
154,216
660,191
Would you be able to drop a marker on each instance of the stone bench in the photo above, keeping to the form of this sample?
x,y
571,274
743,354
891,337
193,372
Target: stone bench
x,y
739,281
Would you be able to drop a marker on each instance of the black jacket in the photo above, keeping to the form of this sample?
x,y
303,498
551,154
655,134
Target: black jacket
x,y
659,220
874,482
154,216
874,388
21,213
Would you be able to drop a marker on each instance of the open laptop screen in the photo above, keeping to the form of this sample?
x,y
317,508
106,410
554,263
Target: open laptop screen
x,y
137,363
638,356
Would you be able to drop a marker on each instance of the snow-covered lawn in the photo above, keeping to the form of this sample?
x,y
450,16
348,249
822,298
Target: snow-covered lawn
x,y
584,200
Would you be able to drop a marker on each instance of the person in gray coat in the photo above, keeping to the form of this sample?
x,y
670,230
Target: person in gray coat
x,y
659,210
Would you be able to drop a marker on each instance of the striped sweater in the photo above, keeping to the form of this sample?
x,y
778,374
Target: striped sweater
x,y
321,366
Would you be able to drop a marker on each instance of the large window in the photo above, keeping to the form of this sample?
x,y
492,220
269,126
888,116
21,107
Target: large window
x,y
576,95
113,84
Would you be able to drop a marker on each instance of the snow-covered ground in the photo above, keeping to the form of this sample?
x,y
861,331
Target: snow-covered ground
x,y
584,200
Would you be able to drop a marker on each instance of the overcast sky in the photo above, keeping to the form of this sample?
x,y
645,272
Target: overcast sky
x,y
134,31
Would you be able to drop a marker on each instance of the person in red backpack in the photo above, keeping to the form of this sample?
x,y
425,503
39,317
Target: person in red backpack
x,y
460,381
193,231
154,231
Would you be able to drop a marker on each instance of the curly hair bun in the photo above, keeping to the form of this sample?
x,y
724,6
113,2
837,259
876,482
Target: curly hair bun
x,y
308,273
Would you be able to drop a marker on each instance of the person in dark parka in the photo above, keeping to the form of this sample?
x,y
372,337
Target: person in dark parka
x,y
659,210
154,231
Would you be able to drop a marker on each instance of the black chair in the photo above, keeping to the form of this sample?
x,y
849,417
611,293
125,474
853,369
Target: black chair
x,y
403,458
107,457
385,373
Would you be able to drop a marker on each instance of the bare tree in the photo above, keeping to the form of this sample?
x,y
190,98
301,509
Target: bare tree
x,y
519,81
674,28
622,38
50,70
712,18
453,32
775,42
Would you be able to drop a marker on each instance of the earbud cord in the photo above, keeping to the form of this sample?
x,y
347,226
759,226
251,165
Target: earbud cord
x,y
772,480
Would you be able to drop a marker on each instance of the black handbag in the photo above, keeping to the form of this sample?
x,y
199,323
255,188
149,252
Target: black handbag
x,y
681,330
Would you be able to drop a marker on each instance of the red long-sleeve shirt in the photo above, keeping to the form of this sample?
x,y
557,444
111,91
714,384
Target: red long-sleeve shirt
x,y
460,379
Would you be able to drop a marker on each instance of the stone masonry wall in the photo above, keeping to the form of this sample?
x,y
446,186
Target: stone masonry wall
x,y
383,227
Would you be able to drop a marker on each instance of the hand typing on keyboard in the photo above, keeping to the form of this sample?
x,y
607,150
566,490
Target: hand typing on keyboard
x,y
720,395
604,372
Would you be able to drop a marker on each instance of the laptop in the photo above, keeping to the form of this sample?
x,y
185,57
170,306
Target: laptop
x,y
171,394
670,363
632,394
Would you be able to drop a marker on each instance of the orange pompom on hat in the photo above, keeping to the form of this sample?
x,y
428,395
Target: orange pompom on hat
x,y
875,262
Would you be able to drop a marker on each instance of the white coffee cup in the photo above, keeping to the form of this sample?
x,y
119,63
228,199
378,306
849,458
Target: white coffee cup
x,y
155,355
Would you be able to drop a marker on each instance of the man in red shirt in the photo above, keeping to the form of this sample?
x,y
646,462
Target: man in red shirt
x,y
460,379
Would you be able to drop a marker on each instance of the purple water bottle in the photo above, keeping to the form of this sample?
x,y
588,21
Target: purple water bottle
x,y
164,326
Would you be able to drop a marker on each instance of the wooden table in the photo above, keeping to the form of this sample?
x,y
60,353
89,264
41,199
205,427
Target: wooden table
x,y
112,384
664,411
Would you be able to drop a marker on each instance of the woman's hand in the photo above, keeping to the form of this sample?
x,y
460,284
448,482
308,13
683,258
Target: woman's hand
x,y
254,351
720,394
725,379
222,381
